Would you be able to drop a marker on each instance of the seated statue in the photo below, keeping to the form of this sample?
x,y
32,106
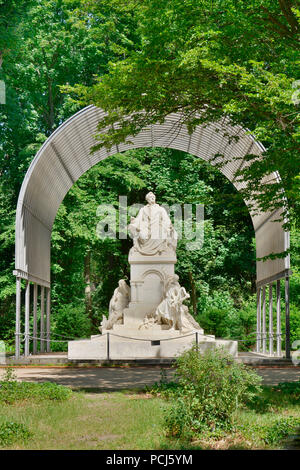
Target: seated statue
x,y
118,302
152,230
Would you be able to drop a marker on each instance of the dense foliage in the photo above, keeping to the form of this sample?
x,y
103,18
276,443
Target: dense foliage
x,y
206,60
239,58
211,386
212,399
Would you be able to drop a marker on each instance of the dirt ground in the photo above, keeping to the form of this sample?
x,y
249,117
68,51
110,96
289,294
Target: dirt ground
x,y
115,378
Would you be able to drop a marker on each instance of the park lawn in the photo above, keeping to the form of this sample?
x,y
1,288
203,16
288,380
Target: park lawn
x,y
135,420
117,420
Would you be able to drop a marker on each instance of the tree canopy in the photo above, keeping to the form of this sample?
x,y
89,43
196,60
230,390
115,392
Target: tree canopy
x,y
206,60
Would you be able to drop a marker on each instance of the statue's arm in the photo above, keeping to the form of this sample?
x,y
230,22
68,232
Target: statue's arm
x,y
184,294
167,221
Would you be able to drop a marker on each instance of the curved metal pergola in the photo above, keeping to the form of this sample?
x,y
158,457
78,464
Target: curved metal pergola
x,y
65,156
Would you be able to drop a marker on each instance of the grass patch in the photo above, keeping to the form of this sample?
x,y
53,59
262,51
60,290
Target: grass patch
x,y
49,416
91,421
135,420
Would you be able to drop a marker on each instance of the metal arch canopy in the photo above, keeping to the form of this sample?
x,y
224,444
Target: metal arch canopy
x,y
65,156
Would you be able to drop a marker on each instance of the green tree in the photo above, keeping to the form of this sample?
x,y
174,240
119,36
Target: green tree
x,y
45,44
207,60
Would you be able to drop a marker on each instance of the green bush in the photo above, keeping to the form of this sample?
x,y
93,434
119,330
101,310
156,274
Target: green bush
x,y
11,432
275,432
211,387
12,391
281,428
215,309
164,388
292,389
221,318
70,322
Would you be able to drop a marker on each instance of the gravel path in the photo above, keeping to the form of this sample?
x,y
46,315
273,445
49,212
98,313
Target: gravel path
x,y
124,378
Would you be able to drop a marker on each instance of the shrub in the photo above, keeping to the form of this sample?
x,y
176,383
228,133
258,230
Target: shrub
x,y
12,391
221,318
70,322
11,432
280,429
290,388
164,388
274,432
216,310
211,387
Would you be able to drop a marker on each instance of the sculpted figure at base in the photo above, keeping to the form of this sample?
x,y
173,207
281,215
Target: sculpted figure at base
x,y
118,302
152,230
171,311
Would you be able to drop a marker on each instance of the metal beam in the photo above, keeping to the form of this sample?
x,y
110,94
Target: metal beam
x,y
268,280
258,320
74,159
42,328
278,320
62,162
287,319
271,333
29,277
48,320
27,315
35,295
264,332
266,220
18,317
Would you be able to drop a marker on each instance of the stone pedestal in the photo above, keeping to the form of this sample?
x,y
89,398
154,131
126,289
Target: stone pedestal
x,y
147,277
149,345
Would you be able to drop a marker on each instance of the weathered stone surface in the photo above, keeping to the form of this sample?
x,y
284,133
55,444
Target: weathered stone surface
x,y
143,348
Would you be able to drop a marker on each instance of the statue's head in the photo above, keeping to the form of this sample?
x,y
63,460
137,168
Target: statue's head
x,y
150,198
171,281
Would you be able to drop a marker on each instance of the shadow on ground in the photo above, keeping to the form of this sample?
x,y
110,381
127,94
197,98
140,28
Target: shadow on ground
x,y
96,379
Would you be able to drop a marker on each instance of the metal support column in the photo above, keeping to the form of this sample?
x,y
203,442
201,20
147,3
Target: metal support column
x,y
278,320
287,318
42,349
27,315
48,319
35,295
18,317
271,332
258,320
264,332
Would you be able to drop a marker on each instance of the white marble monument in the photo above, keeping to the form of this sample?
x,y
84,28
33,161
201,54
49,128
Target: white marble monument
x,y
149,318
